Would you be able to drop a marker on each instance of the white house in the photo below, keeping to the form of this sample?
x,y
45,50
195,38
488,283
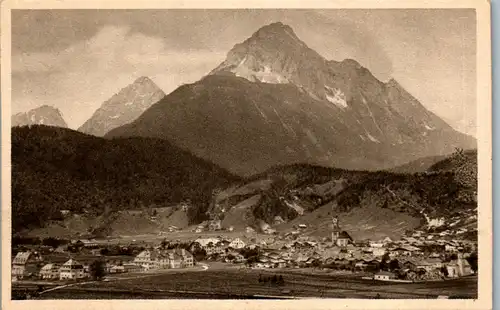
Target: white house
x,y
384,276
237,244
146,259
50,271
72,270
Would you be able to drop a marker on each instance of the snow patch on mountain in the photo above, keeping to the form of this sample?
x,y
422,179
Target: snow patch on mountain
x,y
311,136
372,138
261,112
371,113
264,75
336,96
436,222
428,127
293,205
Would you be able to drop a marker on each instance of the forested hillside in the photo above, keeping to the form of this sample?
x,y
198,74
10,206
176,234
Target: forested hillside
x,y
56,169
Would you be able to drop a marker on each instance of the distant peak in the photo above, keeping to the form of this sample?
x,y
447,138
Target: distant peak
x,y
277,28
143,79
48,107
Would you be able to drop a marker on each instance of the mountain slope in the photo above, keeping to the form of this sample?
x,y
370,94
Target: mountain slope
x,y
57,169
124,107
45,115
367,203
275,101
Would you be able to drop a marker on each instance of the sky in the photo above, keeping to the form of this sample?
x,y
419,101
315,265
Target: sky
x,y
75,60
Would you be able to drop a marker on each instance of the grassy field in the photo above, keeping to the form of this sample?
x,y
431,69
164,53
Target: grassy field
x,y
234,284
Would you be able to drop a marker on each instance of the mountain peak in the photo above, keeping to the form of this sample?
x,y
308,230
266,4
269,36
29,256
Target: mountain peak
x,y
44,115
273,54
143,79
123,107
277,28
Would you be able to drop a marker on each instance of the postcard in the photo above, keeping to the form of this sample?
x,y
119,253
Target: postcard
x,y
246,154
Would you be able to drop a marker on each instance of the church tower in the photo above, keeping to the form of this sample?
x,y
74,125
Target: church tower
x,y
335,229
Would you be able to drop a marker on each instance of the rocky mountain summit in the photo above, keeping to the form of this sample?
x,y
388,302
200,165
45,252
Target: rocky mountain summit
x,y
124,107
43,115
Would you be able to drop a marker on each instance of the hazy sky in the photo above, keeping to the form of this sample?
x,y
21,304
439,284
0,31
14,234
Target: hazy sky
x,y
76,59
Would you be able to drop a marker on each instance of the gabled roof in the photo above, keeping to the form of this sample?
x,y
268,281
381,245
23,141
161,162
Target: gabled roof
x,y
72,263
21,258
50,266
344,235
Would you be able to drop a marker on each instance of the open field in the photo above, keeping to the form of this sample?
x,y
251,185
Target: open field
x,y
243,283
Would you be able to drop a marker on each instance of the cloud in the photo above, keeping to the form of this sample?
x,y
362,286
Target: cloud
x,y
80,77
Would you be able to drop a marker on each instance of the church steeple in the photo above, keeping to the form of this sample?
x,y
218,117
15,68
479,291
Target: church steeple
x,y
335,229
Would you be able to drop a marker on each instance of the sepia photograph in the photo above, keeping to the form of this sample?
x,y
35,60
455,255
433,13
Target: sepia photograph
x,y
246,153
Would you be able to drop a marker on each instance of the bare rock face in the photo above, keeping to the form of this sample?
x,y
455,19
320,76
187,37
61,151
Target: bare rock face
x,y
44,115
275,101
124,107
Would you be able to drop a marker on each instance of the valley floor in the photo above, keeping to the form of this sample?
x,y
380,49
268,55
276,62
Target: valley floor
x,y
219,282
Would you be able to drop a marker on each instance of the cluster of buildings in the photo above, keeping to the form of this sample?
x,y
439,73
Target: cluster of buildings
x,y
31,264
164,259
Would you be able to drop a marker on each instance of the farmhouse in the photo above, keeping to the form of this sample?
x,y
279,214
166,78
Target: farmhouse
x,y
430,264
167,259
50,271
384,276
72,270
25,264
237,244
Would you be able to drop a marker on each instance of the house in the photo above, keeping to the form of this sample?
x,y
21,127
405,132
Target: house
x,y
214,225
65,212
378,251
237,244
131,268
25,264
405,250
146,259
72,270
95,252
88,243
449,247
430,264
117,269
50,271
216,248
376,244
187,259
384,276
387,240
249,230
343,239
303,226
458,267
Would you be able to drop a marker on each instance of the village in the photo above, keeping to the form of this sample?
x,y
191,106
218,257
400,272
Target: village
x,y
421,256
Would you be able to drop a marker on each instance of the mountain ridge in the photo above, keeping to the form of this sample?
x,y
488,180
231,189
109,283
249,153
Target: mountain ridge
x,y
123,107
276,101
44,114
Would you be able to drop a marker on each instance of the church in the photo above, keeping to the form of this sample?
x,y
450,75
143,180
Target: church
x,y
340,238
